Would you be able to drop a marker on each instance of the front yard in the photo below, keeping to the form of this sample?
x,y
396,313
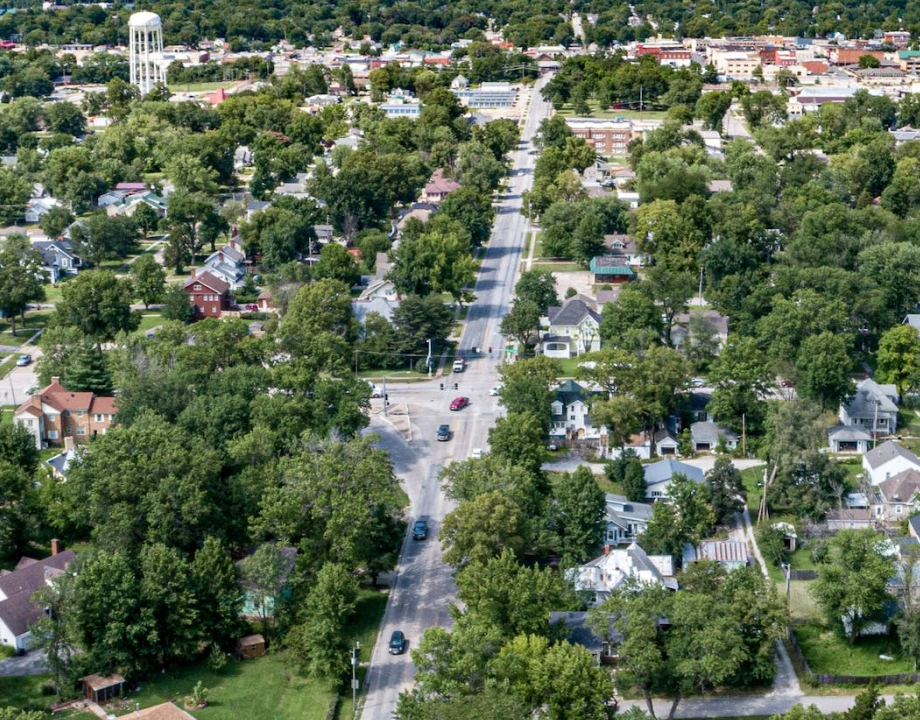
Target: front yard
x,y
828,652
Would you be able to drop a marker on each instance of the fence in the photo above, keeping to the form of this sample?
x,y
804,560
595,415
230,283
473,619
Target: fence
x,y
798,659
803,574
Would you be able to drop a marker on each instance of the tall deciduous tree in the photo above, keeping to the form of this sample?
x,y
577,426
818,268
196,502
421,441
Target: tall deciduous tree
x,y
899,357
21,273
725,490
483,528
149,279
578,514
538,286
99,304
522,323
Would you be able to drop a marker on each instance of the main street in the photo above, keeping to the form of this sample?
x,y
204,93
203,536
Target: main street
x,y
422,587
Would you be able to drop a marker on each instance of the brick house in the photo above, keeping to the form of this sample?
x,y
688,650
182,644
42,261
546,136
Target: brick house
x,y
54,414
209,295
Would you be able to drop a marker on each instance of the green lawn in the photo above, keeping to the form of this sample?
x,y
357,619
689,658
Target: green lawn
x,y
801,603
569,367
558,266
150,321
371,606
199,87
35,320
752,479
829,653
596,111
538,245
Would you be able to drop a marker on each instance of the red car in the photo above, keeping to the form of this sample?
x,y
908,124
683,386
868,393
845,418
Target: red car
x,y
458,403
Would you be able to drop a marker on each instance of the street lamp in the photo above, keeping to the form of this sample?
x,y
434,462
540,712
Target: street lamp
x,y
354,678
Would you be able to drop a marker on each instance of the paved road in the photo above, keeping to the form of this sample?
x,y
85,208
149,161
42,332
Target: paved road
x,y
423,587
759,705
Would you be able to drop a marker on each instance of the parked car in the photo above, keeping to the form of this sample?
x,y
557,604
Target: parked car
x,y
495,390
397,643
376,391
443,433
458,403
698,382
23,360
420,530
476,454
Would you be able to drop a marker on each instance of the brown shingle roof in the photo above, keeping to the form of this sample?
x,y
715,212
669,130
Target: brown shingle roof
x,y
209,281
60,398
104,405
101,682
17,611
902,487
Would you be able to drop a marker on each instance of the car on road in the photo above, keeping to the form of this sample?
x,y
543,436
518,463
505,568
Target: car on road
x,y
495,390
397,643
459,365
458,403
420,530
23,360
476,454
443,433
376,391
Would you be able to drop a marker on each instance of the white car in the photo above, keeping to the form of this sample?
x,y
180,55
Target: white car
x,y
476,454
494,391
376,391
698,382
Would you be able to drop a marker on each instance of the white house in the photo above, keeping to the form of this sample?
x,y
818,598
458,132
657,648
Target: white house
x,y
58,258
658,476
228,264
573,329
17,611
896,498
873,408
852,439
37,208
706,436
887,460
571,415
598,578
625,520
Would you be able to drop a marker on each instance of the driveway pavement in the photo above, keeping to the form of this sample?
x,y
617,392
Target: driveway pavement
x,y
32,663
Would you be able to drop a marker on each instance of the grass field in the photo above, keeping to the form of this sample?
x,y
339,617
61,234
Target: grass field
x,y
35,320
598,112
558,266
828,653
371,606
199,87
569,367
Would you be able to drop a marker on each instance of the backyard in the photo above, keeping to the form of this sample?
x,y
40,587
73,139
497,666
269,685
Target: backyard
x,y
827,652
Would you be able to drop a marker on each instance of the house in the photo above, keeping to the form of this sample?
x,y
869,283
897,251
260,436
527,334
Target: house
x,y
264,302
706,436
576,628
625,520
571,415
852,439
574,329
380,305
131,187
873,407
131,202
439,187
708,322
624,247
228,264
730,554
597,579
459,83
848,519
208,294
37,208
112,197
896,498
658,476
256,601
17,610
54,414
611,270
60,463
58,258
887,460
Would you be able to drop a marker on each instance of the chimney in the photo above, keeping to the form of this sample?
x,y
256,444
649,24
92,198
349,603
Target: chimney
x,y
220,256
55,546
606,549
193,272
55,380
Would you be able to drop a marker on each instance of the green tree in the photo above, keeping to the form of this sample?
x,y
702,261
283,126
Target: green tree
x,y
822,370
262,574
621,415
86,370
21,275
436,260
518,438
526,387
632,321
899,357
725,490
578,514
319,325
54,222
149,279
146,219
336,263
634,481
64,117
494,472
851,589
483,528
100,237
215,580
169,604
319,643
538,286
176,305
741,378
522,323
712,107
99,304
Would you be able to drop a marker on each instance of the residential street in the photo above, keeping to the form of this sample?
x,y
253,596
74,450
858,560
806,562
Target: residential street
x,y
769,704
423,588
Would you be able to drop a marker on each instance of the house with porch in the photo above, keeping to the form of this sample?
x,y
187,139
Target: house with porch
x,y
58,258
228,264
611,270
873,408
623,247
625,520
54,414
208,294
573,329
896,498
887,460
571,415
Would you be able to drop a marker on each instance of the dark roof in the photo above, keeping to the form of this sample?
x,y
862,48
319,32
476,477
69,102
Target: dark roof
x,y
571,313
889,450
578,632
209,281
18,611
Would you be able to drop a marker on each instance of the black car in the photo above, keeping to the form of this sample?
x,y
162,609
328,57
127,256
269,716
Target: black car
x,y
443,433
397,643
420,530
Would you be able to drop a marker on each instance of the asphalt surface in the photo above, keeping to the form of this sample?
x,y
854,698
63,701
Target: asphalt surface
x,y
422,587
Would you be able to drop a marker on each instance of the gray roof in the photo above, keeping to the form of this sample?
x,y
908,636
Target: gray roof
x,y
913,320
61,462
664,470
640,511
18,611
848,433
887,451
902,487
710,432
914,524
381,306
868,392
571,313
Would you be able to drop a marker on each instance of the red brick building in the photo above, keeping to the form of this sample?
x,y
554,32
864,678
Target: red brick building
x,y
55,413
209,295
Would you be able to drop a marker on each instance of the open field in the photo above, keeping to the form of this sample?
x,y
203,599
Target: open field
x,y
597,112
200,87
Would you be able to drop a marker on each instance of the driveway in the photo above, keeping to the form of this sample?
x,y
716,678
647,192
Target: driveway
x,y
32,663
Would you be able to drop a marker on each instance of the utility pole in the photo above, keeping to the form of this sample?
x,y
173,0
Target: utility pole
x,y
428,361
641,89
701,287
385,396
743,436
874,426
354,677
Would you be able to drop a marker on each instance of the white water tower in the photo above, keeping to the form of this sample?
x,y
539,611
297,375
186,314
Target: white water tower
x,y
146,47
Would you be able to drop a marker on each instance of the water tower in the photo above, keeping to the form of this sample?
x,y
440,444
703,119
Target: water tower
x,y
146,47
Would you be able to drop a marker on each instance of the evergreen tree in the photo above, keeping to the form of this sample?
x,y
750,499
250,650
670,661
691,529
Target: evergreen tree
x,y
86,371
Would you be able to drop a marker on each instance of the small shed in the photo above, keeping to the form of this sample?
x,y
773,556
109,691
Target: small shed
x,y
100,688
251,646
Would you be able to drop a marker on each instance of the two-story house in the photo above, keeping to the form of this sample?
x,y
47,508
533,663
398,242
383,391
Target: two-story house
x,y
54,414
571,415
873,408
209,295
228,264
58,258
897,497
597,579
625,520
887,460
439,187
574,329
